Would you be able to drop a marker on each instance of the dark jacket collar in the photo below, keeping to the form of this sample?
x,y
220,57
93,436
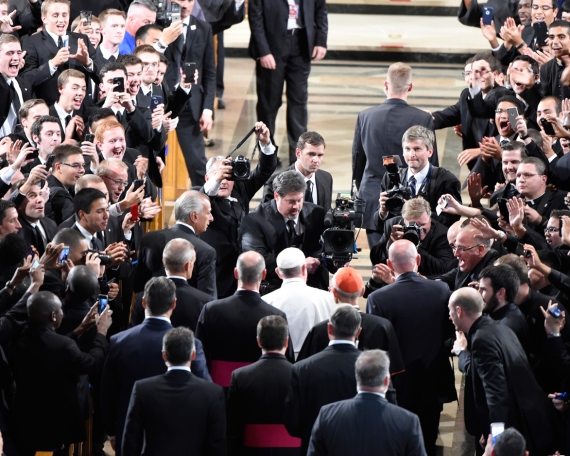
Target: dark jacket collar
x,y
476,324
395,101
273,356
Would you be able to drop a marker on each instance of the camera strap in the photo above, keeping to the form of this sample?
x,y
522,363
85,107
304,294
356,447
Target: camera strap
x,y
251,132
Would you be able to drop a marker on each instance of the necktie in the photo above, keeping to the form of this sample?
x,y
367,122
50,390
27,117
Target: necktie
x,y
67,120
94,244
15,98
119,116
503,142
112,58
412,184
60,42
39,242
309,192
291,230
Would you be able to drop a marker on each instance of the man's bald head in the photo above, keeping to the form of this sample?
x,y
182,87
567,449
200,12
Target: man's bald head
x,y
469,299
453,231
250,268
403,256
41,306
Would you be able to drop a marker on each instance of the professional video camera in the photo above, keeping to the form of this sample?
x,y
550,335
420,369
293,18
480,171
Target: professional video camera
x,y
166,12
413,233
338,241
398,193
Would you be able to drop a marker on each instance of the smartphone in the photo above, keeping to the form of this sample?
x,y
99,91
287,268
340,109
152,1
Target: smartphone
x,y
561,224
155,100
90,137
175,11
34,265
189,71
29,252
513,112
65,41
562,397
540,33
103,301
86,17
547,127
521,251
138,183
32,155
487,15
555,312
64,255
496,430
121,85
444,202
49,161
134,212
502,202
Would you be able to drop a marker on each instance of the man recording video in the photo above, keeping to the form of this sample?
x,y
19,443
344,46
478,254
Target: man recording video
x,y
420,178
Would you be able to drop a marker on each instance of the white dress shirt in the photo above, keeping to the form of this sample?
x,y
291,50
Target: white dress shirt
x,y
10,122
420,177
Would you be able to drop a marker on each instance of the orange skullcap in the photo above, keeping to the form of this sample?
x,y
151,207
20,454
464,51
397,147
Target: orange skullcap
x,y
348,280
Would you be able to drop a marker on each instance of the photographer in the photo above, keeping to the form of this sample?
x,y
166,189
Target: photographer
x,y
230,203
419,178
436,254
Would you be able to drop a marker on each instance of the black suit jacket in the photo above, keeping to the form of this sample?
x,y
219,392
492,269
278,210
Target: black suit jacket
x,y
324,182
177,414
135,354
222,234
264,231
61,200
40,48
422,327
199,49
367,424
52,395
189,303
257,396
504,388
437,257
228,328
377,333
379,132
150,259
456,278
28,233
268,25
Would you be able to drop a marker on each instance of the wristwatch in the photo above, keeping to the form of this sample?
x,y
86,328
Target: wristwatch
x,y
458,351
10,286
501,235
549,336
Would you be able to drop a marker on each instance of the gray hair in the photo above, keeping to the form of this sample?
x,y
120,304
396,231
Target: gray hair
x,y
188,202
371,368
137,4
469,300
107,164
510,443
250,266
289,182
177,253
343,295
345,321
290,273
211,161
419,132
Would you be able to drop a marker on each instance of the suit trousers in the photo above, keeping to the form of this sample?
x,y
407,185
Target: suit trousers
x,y
293,68
191,141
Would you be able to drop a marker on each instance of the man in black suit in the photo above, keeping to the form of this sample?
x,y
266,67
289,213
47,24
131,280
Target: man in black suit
x,y
46,136
230,204
177,412
287,221
473,254
193,215
178,258
310,151
420,176
69,106
422,327
54,50
227,327
256,398
283,42
379,131
14,89
437,256
68,167
503,386
194,45
367,424
30,111
113,23
325,377
52,398
136,353
377,332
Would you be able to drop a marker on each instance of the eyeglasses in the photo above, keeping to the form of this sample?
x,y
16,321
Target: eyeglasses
x,y
543,7
551,230
117,181
522,70
458,248
526,175
75,165
482,72
501,111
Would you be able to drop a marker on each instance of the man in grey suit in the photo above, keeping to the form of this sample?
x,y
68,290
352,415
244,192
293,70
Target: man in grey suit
x,y
378,133
368,423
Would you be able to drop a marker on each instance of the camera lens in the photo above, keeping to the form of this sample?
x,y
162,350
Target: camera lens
x,y
241,170
395,204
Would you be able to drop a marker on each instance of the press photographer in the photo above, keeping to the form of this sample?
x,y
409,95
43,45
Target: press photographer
x,y
429,236
420,178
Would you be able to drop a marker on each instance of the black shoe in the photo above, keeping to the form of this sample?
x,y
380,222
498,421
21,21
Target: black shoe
x,y
221,104
279,164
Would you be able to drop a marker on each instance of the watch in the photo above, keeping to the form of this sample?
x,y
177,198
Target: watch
x,y
458,351
10,286
520,45
501,235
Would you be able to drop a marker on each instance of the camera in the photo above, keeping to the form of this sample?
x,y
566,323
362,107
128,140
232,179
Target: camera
x,y
413,233
338,240
166,12
398,193
103,257
241,167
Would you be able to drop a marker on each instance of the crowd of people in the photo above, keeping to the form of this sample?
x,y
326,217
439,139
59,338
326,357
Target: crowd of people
x,y
230,332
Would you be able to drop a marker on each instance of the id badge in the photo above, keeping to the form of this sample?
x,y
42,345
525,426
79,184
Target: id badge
x,y
294,12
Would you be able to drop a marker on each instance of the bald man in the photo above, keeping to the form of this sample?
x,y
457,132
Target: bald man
x,y
421,327
473,254
502,384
